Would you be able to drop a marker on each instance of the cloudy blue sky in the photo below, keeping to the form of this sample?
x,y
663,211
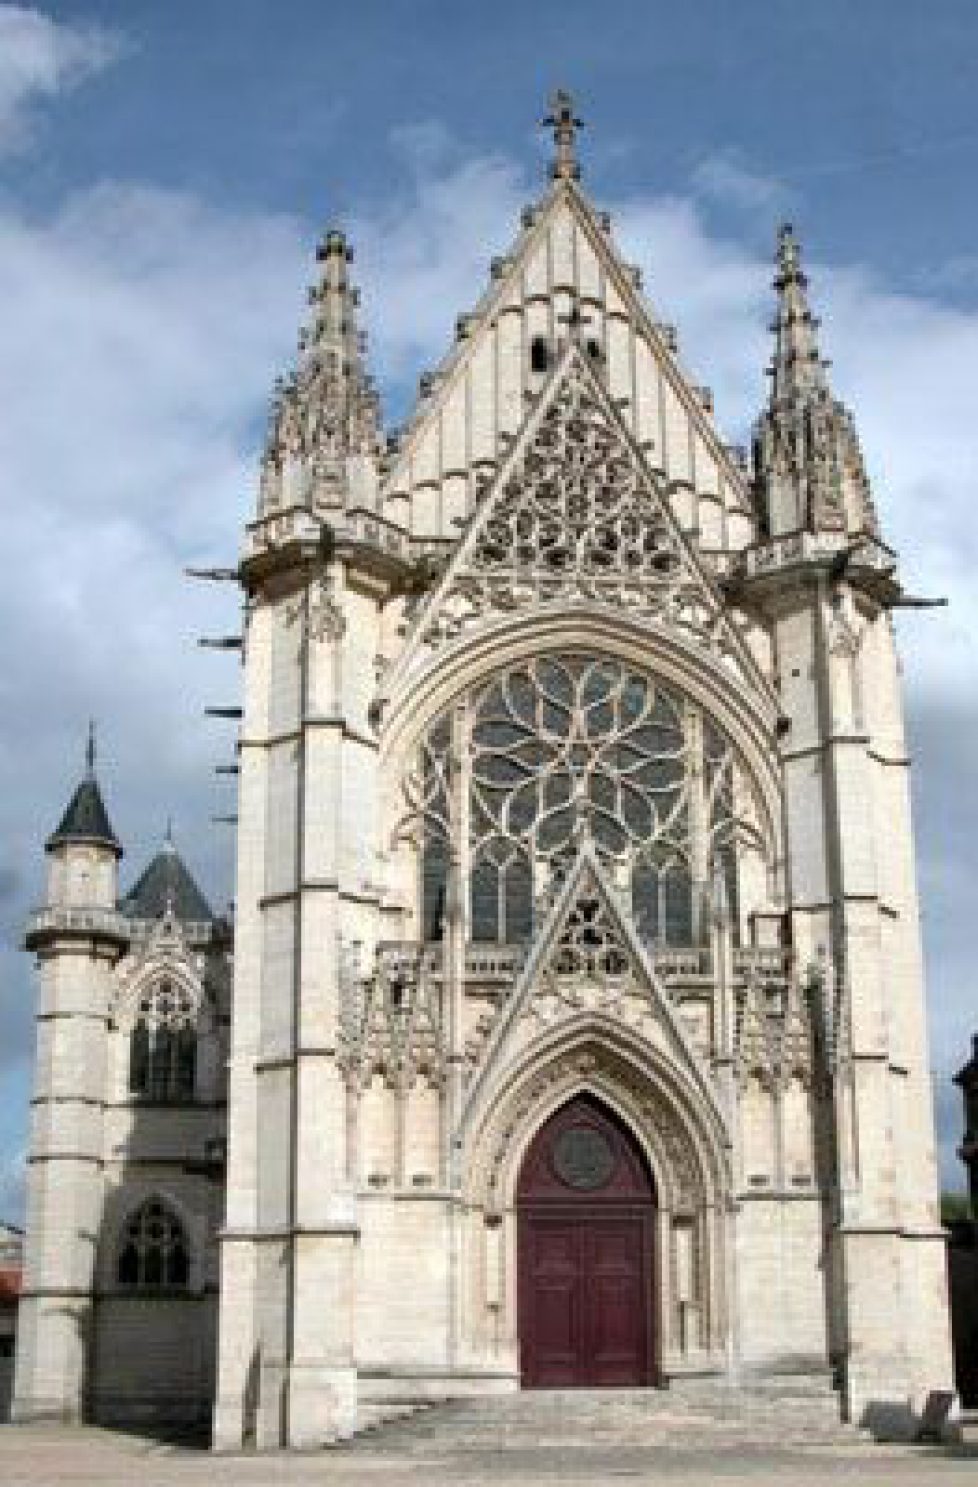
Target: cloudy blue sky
x,y
164,173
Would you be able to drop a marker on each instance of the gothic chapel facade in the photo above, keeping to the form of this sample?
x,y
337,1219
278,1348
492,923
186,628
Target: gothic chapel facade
x,y
577,1033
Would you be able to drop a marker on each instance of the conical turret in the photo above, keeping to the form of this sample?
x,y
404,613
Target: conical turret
x,y
84,851
324,437
167,887
809,467
85,820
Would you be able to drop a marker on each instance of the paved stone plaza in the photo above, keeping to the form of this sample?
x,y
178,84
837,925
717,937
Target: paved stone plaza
x,y
543,1437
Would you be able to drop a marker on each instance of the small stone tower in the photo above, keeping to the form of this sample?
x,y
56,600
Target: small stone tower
x,y
77,942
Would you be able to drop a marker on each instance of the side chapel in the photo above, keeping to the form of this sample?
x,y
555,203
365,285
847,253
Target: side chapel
x,y
577,1028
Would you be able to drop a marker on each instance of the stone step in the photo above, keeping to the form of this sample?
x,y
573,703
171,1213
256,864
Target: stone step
x,y
375,1415
804,1412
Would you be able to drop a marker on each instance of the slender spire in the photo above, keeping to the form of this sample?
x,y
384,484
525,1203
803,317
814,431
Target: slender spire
x,y
797,367
90,750
808,464
326,412
565,124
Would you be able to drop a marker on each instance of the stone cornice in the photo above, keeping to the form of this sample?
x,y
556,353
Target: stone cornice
x,y
95,925
760,572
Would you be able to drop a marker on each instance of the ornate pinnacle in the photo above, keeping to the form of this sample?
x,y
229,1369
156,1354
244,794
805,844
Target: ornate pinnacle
x,y
565,124
810,470
326,410
789,258
797,369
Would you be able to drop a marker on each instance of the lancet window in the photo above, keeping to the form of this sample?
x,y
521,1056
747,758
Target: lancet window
x,y
163,1044
520,770
153,1253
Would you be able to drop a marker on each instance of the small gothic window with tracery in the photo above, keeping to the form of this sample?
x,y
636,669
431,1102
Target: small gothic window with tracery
x,y
153,1254
163,1045
523,768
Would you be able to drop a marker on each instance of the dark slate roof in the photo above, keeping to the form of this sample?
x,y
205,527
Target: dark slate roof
x,y
166,882
86,819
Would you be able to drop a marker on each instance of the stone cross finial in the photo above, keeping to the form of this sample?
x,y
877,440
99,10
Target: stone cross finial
x,y
565,124
90,747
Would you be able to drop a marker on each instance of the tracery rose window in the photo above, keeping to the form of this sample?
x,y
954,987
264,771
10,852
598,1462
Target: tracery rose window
x,y
522,769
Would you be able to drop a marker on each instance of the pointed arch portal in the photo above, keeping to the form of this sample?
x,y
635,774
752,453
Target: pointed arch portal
x,y
585,1259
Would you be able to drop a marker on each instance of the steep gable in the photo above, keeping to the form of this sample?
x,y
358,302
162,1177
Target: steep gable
x,y
587,959
576,514
563,280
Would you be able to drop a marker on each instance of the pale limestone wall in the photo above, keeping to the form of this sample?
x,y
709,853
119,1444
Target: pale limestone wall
x,y
780,1307
851,841
403,1279
96,1152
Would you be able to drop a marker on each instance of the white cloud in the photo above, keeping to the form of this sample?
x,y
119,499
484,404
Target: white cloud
x,y
423,255
40,57
725,178
141,333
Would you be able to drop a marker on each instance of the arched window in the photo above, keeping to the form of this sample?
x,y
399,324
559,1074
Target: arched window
x,y
153,1253
566,747
163,1045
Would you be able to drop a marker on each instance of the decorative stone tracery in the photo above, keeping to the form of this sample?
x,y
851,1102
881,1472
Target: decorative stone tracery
x,y
391,1022
677,1165
161,982
578,514
775,1032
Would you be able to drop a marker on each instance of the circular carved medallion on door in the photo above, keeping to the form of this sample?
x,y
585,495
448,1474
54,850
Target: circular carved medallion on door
x,y
582,1158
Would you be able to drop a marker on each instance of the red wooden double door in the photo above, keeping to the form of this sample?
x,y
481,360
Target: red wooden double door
x,y
585,1225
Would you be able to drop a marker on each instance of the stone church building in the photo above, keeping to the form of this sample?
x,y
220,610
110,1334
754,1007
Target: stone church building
x,y
576,1028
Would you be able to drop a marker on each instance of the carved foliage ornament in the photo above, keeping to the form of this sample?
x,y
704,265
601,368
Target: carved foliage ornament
x,y
774,1034
390,1022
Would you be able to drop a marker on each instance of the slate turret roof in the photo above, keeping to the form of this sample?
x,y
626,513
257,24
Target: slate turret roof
x,y
167,883
86,819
